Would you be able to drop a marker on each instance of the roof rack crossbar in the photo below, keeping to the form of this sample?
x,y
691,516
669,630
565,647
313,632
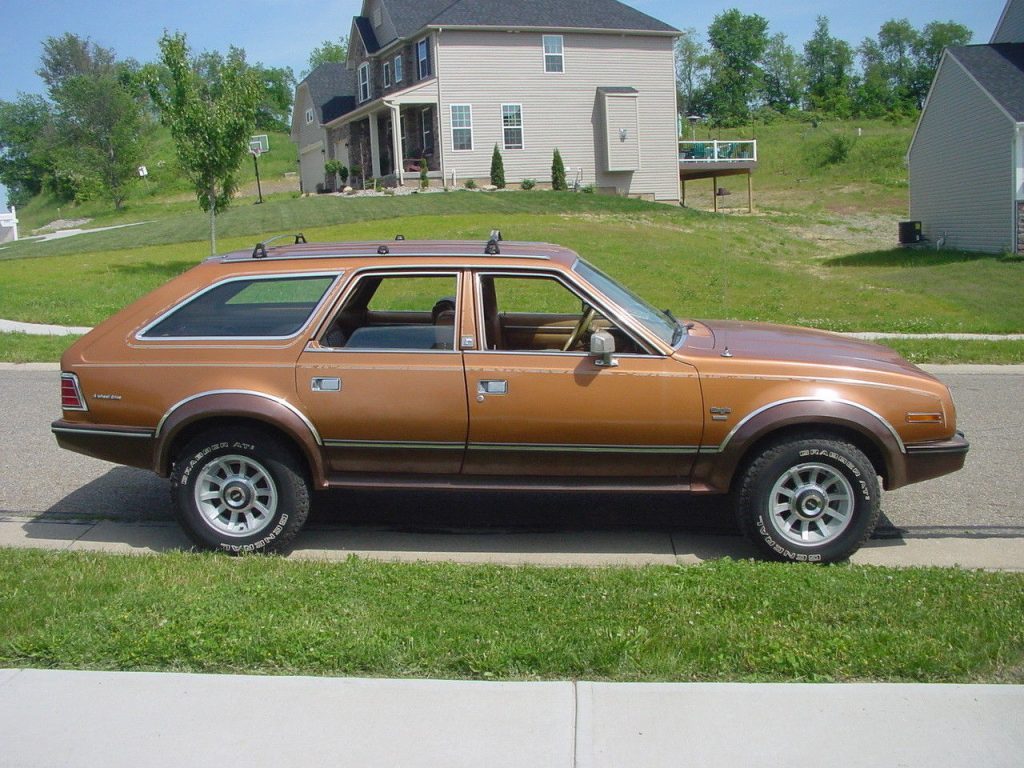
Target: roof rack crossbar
x,y
260,251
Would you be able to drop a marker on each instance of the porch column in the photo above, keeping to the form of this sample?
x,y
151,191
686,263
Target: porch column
x,y
374,147
396,142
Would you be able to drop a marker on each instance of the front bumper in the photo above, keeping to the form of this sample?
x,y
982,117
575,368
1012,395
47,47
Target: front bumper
x,y
924,461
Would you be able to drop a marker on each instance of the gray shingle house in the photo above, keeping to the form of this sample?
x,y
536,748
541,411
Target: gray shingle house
x,y
444,82
966,159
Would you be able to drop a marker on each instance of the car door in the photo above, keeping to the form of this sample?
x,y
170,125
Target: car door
x,y
383,381
536,408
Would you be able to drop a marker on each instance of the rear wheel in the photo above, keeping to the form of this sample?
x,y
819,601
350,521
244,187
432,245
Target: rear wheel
x,y
240,491
813,499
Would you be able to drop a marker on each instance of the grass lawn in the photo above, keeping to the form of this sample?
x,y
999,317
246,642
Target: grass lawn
x,y
728,620
697,264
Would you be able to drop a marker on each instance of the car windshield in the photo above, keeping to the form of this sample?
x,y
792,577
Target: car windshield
x,y
660,323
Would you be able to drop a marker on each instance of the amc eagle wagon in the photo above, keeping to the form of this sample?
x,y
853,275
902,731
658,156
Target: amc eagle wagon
x,y
256,378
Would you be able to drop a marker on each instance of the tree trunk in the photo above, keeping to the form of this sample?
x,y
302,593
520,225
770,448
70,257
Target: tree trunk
x,y
212,197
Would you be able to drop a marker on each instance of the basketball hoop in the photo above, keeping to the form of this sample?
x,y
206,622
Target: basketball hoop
x,y
255,149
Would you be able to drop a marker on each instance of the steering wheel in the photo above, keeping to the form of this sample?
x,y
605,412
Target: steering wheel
x,y
581,328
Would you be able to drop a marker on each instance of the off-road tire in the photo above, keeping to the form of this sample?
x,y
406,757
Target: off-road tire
x,y
809,499
245,471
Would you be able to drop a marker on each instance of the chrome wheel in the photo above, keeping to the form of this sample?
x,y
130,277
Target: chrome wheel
x,y
811,504
236,495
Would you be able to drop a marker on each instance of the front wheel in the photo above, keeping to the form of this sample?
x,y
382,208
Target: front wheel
x,y
814,499
239,491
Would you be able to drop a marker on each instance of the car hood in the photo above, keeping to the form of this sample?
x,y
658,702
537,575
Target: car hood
x,y
782,343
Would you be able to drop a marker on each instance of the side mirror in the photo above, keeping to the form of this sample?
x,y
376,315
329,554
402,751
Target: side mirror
x,y
602,346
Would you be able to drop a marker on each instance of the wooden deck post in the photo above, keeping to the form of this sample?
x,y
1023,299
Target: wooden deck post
x,y
714,191
750,192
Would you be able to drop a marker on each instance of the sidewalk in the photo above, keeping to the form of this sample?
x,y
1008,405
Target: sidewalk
x,y
114,719
626,547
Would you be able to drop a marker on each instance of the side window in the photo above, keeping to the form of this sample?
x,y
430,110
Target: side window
x,y
248,307
537,313
396,313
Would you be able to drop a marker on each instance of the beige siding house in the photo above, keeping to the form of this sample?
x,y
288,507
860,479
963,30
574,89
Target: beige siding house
x,y
966,159
319,98
442,83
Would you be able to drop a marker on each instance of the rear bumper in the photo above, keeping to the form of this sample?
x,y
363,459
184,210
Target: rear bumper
x,y
927,460
132,446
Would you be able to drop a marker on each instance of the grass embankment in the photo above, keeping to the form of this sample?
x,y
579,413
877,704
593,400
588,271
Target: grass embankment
x,y
720,621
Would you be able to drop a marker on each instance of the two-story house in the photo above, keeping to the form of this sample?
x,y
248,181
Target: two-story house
x,y
444,82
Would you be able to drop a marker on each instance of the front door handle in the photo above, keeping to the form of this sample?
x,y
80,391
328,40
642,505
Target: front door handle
x,y
325,384
492,387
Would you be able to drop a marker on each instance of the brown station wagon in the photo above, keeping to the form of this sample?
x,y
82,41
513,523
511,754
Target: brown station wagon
x,y
256,377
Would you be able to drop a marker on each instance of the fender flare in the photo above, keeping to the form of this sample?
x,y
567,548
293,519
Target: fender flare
x,y
717,465
273,411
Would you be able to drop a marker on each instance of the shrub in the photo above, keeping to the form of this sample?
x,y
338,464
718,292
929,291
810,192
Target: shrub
x,y
528,184
470,184
424,179
557,172
497,169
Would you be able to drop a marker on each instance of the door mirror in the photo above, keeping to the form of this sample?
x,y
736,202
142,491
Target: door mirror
x,y
602,346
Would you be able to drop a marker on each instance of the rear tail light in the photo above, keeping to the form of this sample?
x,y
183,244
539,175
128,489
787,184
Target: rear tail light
x,y
71,393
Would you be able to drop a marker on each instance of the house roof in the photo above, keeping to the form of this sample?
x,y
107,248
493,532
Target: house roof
x,y
410,16
330,85
999,69
369,37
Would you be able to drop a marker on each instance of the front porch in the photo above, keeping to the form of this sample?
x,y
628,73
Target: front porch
x,y
393,141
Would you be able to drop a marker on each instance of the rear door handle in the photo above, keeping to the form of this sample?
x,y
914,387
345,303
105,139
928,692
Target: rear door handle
x,y
492,387
325,384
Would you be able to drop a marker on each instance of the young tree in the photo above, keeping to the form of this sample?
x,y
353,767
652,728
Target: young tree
x,y
210,120
328,50
497,169
739,41
933,40
102,123
557,171
828,63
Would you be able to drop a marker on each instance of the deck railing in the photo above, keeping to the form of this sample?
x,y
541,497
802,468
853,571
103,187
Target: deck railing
x,y
718,151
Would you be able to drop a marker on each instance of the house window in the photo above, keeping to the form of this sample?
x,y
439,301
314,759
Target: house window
x,y
398,68
553,58
512,124
427,127
387,73
423,58
364,82
309,116
462,127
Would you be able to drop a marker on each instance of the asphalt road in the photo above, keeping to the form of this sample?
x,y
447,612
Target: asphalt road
x,y
40,480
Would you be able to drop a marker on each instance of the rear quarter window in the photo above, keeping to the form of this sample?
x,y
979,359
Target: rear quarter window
x,y
244,308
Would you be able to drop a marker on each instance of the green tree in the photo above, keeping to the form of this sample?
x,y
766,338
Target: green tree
x,y
783,77
328,50
497,169
739,42
103,125
889,69
557,171
210,119
70,56
26,130
691,69
828,63
933,40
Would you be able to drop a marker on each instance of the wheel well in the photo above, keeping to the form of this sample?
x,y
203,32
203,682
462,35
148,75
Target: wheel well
x,y
221,423
799,431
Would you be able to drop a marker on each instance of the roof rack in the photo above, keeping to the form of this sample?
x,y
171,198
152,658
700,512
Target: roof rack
x,y
260,251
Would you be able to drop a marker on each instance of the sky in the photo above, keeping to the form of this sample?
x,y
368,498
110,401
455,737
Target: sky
x,y
281,33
